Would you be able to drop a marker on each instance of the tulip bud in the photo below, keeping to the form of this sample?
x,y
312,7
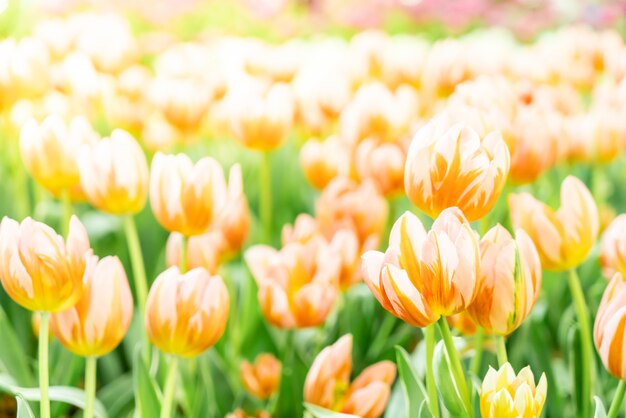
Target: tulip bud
x,y
187,198
344,204
423,276
608,331
453,166
328,382
564,237
383,164
114,174
38,269
509,283
50,149
297,285
263,378
206,250
263,122
324,161
101,317
186,313
504,395
613,250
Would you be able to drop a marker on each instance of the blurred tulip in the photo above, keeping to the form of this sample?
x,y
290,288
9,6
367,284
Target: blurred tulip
x,y
38,269
114,174
186,313
463,323
453,166
304,229
187,198
504,395
182,101
262,378
234,224
50,152
298,285
263,122
24,69
324,161
328,384
509,283
344,204
613,250
101,317
609,327
383,164
564,237
423,276
240,413
205,250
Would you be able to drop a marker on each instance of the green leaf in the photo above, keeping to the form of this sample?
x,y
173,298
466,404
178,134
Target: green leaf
x,y
118,395
69,395
600,411
13,360
147,400
23,409
575,362
446,385
410,382
318,412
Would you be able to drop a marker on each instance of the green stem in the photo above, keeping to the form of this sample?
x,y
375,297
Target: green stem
x,y
90,386
501,351
266,196
617,400
170,388
479,340
136,259
43,364
455,364
587,365
433,401
184,251
67,212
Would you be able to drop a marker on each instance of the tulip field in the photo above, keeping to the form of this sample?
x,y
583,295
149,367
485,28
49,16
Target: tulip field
x,y
320,209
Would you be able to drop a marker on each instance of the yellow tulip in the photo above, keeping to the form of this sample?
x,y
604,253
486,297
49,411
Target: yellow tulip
x,y
563,237
101,317
38,269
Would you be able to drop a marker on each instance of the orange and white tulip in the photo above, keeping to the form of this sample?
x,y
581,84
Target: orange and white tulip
x,y
509,283
383,164
187,197
505,395
425,275
323,161
38,269
262,378
453,166
328,384
101,317
50,152
613,250
610,326
186,313
205,250
563,237
298,285
114,174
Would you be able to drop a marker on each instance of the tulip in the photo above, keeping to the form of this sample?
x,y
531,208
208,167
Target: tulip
x,y
263,378
182,101
613,250
206,251
504,395
383,164
344,204
50,151
564,237
114,174
186,313
453,166
101,317
262,122
328,384
509,282
463,323
187,198
39,270
609,327
324,161
297,285
424,276
234,225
